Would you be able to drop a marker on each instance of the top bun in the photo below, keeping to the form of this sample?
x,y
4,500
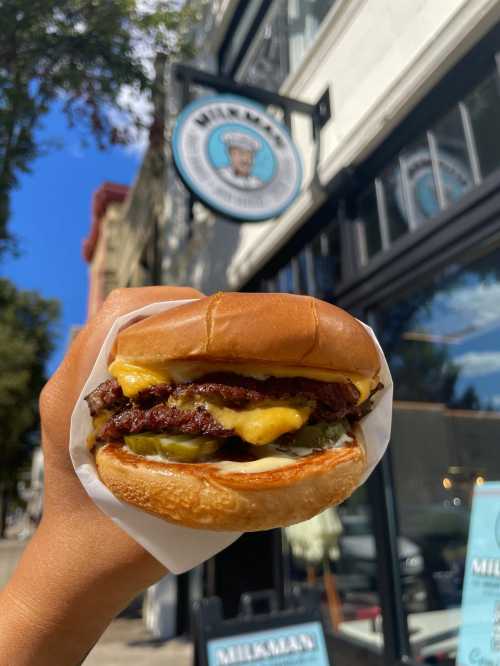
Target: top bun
x,y
283,329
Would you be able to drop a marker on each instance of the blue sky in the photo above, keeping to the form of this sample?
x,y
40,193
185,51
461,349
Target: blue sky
x,y
51,216
466,306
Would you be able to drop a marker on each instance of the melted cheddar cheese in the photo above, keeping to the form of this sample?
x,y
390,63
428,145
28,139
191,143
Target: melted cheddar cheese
x,y
260,425
134,378
256,425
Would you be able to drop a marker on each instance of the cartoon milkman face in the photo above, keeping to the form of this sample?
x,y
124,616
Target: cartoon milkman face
x,y
241,150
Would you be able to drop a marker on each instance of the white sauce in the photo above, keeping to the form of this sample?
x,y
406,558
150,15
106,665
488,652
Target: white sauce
x,y
271,458
261,465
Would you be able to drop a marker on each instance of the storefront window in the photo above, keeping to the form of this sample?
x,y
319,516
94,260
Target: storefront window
x,y
395,200
236,42
314,271
285,279
483,106
282,41
371,241
304,20
336,553
324,256
442,342
418,200
453,163
432,172
302,277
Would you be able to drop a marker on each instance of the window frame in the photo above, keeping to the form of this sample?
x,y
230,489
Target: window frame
x,y
222,65
264,11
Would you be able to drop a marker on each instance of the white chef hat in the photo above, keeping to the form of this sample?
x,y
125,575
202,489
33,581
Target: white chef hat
x,y
241,140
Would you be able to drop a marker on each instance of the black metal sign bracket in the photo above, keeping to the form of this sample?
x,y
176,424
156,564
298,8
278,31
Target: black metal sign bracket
x,y
320,113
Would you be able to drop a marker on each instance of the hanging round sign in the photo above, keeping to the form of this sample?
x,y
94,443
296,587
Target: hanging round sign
x,y
236,158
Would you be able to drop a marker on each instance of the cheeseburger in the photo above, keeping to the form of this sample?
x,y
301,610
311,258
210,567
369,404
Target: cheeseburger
x,y
236,411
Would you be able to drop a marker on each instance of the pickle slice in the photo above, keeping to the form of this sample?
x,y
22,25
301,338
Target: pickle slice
x,y
178,447
142,444
319,435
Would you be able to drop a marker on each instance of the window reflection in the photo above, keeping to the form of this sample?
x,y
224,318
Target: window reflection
x,y
315,270
443,346
304,20
285,279
326,258
396,202
282,41
301,282
367,210
238,37
454,165
483,105
336,553
418,184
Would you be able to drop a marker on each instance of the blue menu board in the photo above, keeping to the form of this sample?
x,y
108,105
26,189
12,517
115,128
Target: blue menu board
x,y
479,640
294,645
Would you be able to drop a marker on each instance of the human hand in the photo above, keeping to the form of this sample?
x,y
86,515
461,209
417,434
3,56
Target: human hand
x,y
80,569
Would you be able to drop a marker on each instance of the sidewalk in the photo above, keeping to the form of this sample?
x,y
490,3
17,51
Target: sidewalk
x,y
127,642
10,552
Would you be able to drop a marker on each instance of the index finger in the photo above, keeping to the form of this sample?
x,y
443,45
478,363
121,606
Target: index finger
x,y
71,375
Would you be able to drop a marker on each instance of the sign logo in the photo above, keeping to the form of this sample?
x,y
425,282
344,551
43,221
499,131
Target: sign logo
x,y
284,646
455,180
236,158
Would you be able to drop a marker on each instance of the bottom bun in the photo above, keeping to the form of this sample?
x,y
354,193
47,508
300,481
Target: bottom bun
x,y
201,496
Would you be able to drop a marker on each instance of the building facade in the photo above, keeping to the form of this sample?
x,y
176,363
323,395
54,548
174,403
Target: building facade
x,y
398,221
101,247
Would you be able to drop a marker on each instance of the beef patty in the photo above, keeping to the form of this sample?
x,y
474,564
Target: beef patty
x,y
161,418
148,412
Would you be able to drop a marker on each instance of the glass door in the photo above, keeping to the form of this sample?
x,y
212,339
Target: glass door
x,y
442,342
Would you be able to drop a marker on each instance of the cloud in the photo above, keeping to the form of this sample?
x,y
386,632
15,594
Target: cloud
x,y
477,304
133,100
478,364
463,312
140,106
495,401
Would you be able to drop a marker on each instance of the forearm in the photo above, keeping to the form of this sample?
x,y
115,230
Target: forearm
x,y
62,596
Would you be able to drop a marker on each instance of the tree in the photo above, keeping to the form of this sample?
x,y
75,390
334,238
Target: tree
x,y
26,341
468,400
84,53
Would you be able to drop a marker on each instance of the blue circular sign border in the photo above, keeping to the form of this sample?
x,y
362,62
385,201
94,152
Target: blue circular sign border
x,y
206,199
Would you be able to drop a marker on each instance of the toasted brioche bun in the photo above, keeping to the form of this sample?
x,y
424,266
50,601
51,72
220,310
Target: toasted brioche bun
x,y
201,496
279,329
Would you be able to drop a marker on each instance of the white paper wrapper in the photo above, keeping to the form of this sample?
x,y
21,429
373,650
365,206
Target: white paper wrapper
x,y
376,426
178,548
182,548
